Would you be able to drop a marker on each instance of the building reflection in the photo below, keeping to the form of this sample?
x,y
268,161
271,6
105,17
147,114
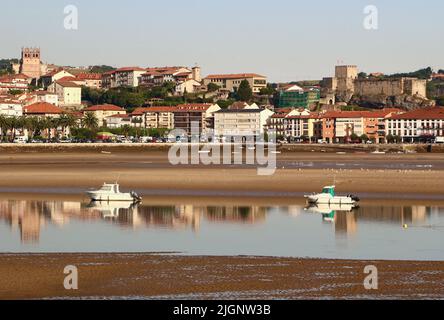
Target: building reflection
x,y
29,217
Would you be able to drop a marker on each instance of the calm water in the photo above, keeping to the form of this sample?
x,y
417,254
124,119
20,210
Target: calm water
x,y
373,231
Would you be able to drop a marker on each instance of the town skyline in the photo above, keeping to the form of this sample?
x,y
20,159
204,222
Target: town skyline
x,y
271,47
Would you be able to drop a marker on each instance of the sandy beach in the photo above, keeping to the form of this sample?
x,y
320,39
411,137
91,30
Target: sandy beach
x,y
297,172
145,276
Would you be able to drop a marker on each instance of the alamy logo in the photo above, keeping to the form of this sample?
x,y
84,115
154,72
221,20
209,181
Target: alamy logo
x,y
71,281
371,281
71,21
371,20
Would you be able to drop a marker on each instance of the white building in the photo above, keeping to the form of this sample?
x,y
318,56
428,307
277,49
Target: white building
x,y
417,124
10,108
118,121
241,122
128,77
69,93
189,86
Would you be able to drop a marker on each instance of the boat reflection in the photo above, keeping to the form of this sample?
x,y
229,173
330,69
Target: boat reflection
x,y
328,211
112,209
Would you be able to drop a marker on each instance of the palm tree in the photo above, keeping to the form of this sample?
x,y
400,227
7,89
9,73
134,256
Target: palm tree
x,y
31,124
3,126
13,124
126,130
90,121
67,120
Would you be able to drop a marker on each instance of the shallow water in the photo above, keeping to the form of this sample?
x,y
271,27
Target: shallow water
x,y
377,230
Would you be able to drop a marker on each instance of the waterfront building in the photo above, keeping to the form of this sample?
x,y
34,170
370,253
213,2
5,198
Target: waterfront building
x,y
417,125
101,112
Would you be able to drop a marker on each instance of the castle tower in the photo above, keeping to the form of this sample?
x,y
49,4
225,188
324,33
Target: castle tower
x,y
30,62
196,74
345,77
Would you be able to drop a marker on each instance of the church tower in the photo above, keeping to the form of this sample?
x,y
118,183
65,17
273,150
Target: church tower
x,y
30,62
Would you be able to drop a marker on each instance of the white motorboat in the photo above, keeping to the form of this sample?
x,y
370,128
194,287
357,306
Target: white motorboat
x,y
111,192
328,196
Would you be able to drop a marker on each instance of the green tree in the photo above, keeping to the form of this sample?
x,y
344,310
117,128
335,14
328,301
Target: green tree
x,y
354,137
212,87
4,125
90,121
244,92
364,138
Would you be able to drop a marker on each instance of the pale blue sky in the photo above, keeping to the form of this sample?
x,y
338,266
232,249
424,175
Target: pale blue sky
x,y
283,39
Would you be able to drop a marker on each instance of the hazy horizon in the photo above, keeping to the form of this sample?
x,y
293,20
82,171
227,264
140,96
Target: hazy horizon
x,y
286,40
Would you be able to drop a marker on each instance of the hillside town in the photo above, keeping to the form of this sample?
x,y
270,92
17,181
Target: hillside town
x,y
48,103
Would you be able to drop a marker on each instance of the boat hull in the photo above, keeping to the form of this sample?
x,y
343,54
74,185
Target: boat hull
x,y
315,199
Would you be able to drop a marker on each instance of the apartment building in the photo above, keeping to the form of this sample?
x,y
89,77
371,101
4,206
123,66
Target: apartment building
x,y
90,80
69,93
187,77
340,126
161,117
14,82
231,82
10,107
296,125
417,125
201,115
241,122
122,77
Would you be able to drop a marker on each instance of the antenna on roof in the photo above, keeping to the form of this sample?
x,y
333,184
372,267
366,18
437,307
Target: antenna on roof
x,y
118,178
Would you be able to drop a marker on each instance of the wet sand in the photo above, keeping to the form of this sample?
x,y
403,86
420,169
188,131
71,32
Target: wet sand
x,y
145,276
152,173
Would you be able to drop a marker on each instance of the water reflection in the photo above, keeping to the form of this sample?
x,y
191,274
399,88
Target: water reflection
x,y
224,229
29,216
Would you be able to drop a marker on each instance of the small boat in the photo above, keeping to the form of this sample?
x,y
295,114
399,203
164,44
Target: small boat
x,y
111,192
328,196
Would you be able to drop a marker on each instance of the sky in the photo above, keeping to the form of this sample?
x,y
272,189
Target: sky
x,y
286,40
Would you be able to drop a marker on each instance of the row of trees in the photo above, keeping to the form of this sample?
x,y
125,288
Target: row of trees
x,y
39,126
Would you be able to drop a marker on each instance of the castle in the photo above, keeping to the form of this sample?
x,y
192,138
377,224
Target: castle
x,y
346,84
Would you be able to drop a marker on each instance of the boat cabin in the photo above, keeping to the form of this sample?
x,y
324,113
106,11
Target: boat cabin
x,y
110,188
329,190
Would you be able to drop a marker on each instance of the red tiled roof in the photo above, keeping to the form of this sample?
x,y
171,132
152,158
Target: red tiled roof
x,y
436,113
54,72
41,108
140,111
66,79
11,77
68,84
89,76
234,76
124,69
195,107
103,107
360,114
